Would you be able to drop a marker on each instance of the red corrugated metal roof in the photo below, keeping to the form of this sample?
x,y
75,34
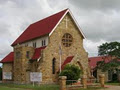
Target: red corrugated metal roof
x,y
40,28
37,53
93,60
68,60
8,58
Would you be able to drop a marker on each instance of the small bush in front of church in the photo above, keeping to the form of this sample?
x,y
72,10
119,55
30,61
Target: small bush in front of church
x,y
72,72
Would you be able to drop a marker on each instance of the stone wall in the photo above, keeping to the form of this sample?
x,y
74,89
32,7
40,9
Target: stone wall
x,y
52,50
7,67
21,72
100,72
22,66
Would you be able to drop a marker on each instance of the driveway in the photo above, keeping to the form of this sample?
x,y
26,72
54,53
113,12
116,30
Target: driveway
x,y
111,87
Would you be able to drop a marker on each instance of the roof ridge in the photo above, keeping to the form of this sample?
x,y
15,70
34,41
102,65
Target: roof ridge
x,y
42,27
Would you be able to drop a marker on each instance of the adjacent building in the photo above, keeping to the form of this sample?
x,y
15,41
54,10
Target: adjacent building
x,y
110,75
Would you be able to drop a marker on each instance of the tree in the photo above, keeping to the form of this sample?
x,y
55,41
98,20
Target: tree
x,y
112,65
111,50
72,72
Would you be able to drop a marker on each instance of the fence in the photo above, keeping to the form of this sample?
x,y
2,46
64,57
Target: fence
x,y
72,84
81,83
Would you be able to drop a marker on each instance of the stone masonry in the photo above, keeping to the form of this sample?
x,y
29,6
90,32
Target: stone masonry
x,y
52,50
8,67
23,66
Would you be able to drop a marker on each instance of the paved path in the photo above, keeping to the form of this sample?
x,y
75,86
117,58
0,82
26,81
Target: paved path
x,y
111,87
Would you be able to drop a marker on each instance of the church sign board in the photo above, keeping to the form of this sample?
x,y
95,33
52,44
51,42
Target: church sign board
x,y
7,75
35,76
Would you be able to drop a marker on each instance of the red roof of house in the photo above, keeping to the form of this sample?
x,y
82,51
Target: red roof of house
x,y
8,58
93,60
37,53
68,60
40,28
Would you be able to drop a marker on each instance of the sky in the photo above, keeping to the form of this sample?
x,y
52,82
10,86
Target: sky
x,y
98,19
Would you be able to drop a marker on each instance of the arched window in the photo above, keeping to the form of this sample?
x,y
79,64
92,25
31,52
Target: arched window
x,y
53,65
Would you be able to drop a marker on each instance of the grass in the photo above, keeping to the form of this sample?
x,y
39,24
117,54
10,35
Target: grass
x,y
7,88
110,83
41,87
28,87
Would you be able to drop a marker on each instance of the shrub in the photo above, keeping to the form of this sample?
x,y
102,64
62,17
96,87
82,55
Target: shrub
x,y
72,72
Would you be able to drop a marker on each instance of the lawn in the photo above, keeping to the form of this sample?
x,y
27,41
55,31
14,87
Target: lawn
x,y
7,88
28,87
116,84
41,87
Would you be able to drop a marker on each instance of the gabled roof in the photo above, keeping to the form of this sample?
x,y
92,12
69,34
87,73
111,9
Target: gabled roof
x,y
9,58
43,27
68,60
37,53
40,28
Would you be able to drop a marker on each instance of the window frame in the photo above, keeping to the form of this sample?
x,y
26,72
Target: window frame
x,y
44,42
34,44
67,40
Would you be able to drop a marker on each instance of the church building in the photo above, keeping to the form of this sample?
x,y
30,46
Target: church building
x,y
46,47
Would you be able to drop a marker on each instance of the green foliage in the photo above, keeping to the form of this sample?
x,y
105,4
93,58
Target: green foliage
x,y
72,72
40,87
27,87
100,64
111,49
114,84
108,66
111,66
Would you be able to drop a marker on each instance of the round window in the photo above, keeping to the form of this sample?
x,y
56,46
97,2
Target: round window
x,y
67,40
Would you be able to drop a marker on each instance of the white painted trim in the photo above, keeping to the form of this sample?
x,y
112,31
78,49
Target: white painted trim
x,y
58,23
77,24
38,59
74,21
66,22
